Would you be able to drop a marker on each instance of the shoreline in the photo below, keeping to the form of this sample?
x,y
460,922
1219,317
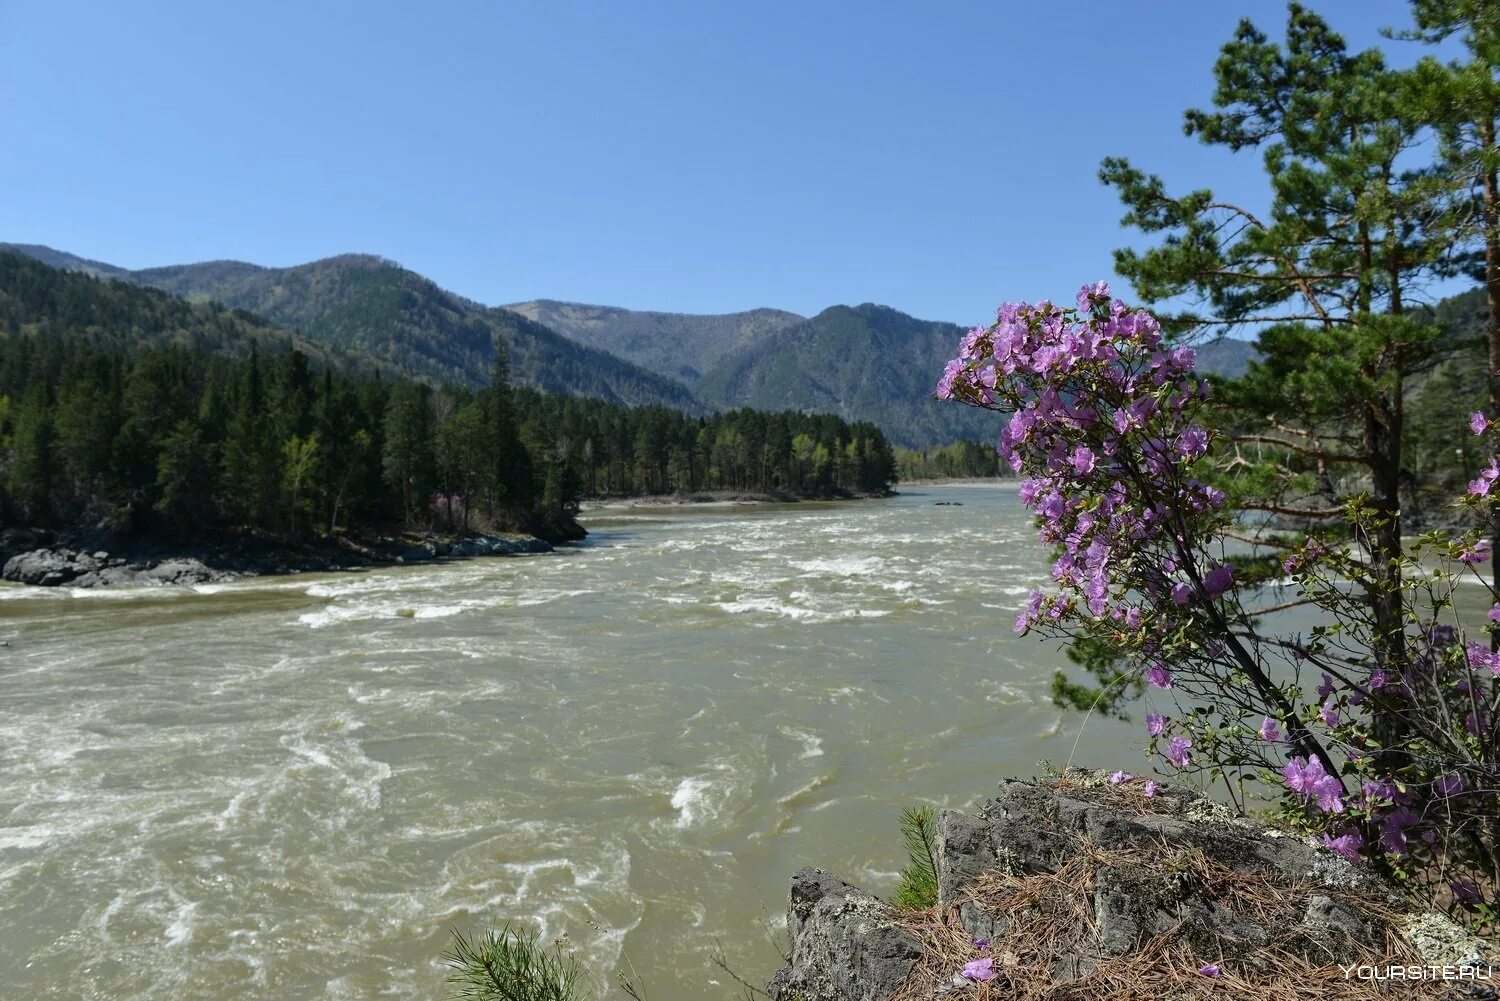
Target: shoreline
x,y
90,560
1009,482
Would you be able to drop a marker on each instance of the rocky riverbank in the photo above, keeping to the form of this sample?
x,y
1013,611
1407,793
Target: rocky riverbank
x,y
1075,888
93,559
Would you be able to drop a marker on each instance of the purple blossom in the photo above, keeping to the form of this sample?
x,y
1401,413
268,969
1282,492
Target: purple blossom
x,y
1378,791
951,374
1083,460
1329,714
1495,612
1210,970
980,969
1177,751
1480,487
1477,553
1218,580
1448,786
1480,656
1149,790
981,944
1181,593
1269,731
1325,687
1328,795
1116,778
1192,442
1158,676
1347,844
1091,294
1466,890
1478,423
1155,724
1301,773
1394,828
1308,779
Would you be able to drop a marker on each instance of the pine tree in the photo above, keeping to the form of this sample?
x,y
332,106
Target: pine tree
x,y
406,457
1462,100
1325,275
34,463
186,475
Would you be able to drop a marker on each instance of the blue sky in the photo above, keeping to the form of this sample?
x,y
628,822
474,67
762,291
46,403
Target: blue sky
x,y
694,156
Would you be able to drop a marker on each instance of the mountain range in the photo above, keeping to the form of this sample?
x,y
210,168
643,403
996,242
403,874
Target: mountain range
x,y
865,362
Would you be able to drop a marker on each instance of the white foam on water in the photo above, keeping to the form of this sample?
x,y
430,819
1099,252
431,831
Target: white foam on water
x,y
547,597
796,796
812,744
329,744
774,606
399,607
181,928
690,796
847,566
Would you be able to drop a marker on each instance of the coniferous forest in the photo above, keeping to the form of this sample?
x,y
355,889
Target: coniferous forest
x,y
129,408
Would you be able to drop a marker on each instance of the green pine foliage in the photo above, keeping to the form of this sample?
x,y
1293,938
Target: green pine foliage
x,y
917,887
510,964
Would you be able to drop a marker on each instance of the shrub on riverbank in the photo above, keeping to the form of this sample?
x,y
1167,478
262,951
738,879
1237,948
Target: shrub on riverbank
x,y
1394,754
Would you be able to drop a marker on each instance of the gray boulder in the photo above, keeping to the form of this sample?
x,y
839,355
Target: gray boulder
x,y
48,567
845,943
418,554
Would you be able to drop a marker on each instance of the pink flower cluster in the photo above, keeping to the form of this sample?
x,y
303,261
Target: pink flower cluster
x,y
1088,391
1308,779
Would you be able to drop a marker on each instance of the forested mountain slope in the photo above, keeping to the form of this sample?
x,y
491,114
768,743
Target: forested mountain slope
x,y
373,308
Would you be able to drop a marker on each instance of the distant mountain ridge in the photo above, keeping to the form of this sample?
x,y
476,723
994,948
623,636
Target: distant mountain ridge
x,y
63,260
371,307
678,345
865,362
76,305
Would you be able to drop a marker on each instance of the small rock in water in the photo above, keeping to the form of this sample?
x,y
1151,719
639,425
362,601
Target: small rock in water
x,y
407,613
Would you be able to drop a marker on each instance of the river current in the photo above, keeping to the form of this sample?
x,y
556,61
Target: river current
x,y
295,787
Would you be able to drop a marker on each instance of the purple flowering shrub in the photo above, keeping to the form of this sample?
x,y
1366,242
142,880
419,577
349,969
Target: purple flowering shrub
x,y
1381,740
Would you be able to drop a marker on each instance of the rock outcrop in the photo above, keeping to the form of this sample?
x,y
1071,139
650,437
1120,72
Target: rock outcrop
x,y
54,563
1072,887
845,943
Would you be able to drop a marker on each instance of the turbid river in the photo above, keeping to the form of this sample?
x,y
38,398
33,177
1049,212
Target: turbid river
x,y
295,787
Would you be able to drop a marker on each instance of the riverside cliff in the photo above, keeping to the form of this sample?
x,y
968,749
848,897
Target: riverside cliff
x,y
1073,888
